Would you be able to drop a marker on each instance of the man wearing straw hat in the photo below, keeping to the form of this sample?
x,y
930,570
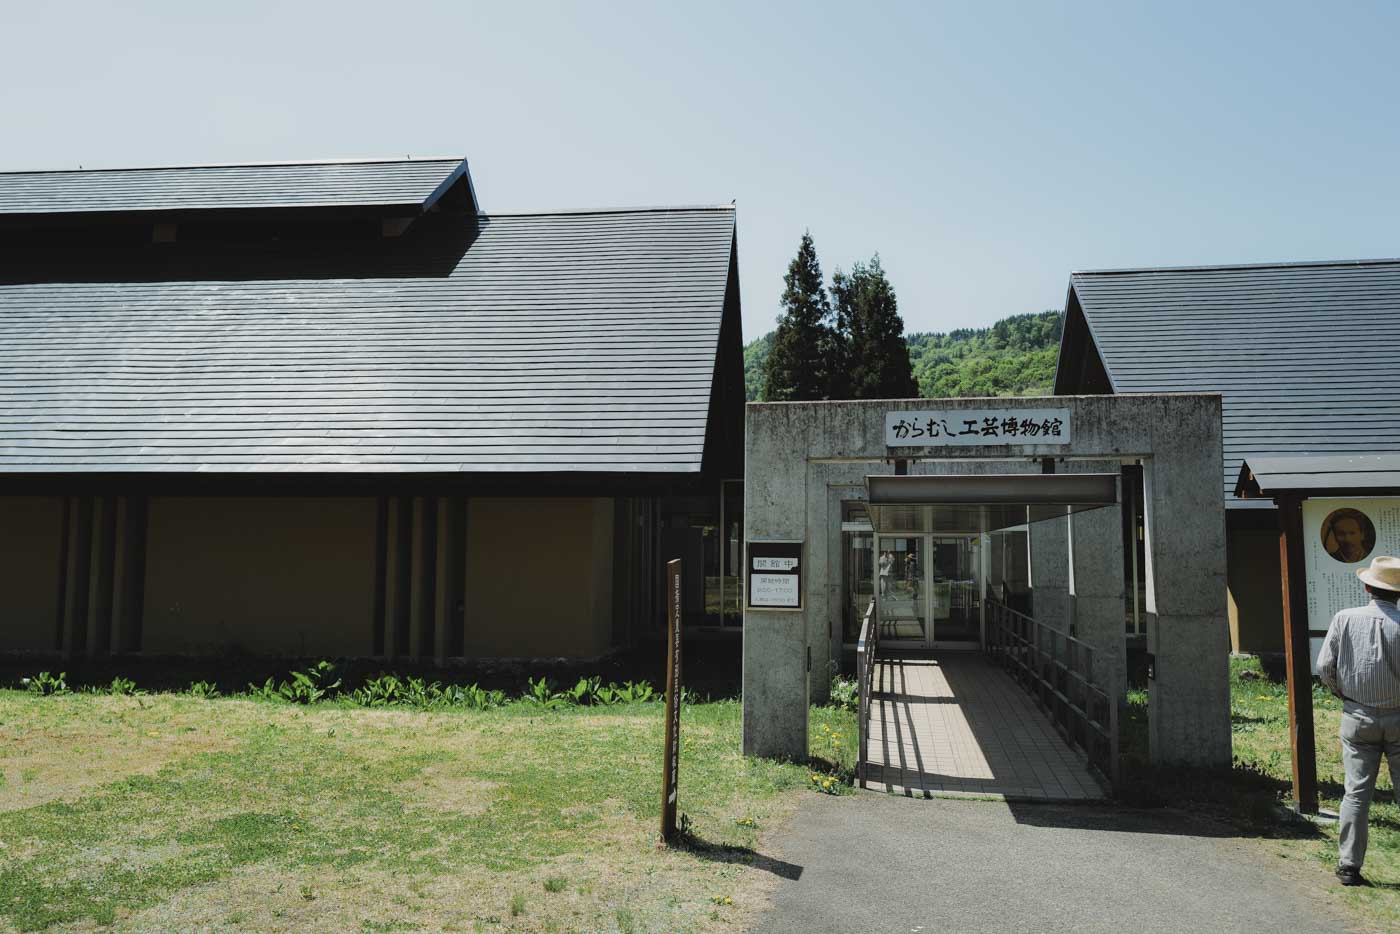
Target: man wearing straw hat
x,y
1360,662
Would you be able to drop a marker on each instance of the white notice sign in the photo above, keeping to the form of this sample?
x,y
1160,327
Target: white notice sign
x,y
779,590
1339,536
775,575
976,427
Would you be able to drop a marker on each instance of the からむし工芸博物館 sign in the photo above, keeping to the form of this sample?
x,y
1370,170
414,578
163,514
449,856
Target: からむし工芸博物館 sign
x,y
976,427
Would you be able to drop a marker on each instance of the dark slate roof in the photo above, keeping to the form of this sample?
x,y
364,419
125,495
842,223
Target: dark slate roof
x,y
581,342
400,185
1304,354
1314,473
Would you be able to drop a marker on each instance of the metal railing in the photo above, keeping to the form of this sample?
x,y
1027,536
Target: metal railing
x,y
1058,671
867,652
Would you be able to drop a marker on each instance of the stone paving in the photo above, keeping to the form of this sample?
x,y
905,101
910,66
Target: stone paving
x,y
956,724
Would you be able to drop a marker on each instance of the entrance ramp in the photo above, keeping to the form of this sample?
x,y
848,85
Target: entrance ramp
x,y
956,724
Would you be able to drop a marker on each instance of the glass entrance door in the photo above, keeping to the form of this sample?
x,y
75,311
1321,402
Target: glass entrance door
x,y
957,589
902,605
929,590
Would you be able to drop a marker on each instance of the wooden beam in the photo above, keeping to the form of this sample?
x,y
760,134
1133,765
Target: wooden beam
x,y
1298,653
420,586
443,598
394,577
76,564
99,616
128,574
121,574
378,629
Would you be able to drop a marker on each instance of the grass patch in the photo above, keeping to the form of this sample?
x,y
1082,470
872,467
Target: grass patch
x,y
175,812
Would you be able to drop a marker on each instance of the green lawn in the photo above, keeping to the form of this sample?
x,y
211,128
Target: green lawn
x,y
1259,721
169,812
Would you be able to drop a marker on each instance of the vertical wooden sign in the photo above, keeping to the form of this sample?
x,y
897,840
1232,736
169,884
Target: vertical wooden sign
x,y
671,770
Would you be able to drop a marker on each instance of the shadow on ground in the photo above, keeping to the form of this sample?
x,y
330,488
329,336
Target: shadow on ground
x,y
742,856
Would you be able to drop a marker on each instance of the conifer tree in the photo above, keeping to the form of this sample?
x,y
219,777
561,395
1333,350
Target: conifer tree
x,y
797,368
876,355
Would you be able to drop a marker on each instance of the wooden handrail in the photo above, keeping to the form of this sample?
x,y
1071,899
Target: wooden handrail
x,y
1058,671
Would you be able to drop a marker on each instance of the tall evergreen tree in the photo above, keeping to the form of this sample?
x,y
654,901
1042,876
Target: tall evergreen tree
x,y
876,355
797,367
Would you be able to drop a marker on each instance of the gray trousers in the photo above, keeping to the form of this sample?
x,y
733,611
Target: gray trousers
x,y
1367,733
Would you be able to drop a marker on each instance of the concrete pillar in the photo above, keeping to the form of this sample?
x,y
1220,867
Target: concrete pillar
x,y
775,678
823,582
1187,629
1050,568
1099,617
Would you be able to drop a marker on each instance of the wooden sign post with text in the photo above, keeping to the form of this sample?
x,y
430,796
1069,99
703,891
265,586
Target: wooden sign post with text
x,y
671,770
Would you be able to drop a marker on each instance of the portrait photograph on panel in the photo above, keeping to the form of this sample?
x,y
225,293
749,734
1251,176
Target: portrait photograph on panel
x,y
1348,535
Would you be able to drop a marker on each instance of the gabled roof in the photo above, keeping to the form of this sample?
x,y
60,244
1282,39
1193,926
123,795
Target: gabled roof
x,y
536,343
399,187
1304,354
1319,474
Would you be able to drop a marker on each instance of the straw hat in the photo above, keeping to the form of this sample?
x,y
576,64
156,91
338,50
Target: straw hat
x,y
1384,573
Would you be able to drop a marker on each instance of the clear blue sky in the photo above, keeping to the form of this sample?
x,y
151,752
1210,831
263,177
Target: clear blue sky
x,y
983,150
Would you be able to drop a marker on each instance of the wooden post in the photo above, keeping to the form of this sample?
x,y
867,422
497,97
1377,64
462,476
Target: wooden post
x,y
1298,653
420,587
671,765
443,598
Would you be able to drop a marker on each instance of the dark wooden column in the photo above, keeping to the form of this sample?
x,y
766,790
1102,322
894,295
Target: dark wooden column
x,y
1298,653
76,568
444,600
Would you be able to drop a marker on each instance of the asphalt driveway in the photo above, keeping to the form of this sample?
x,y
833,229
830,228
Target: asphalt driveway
x,y
877,863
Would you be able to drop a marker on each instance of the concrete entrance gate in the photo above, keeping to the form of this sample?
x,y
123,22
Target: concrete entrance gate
x,y
802,460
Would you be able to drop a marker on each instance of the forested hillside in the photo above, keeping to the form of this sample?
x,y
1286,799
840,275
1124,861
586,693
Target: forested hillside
x,y
755,353
1014,357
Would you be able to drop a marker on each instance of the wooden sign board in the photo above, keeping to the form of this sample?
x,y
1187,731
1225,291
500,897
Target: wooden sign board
x,y
672,761
774,575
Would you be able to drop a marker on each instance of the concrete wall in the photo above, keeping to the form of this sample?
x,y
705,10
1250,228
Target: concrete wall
x,y
802,458
539,576
31,542
1050,569
281,576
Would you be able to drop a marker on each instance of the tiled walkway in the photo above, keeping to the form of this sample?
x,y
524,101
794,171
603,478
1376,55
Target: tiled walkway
x,y
957,724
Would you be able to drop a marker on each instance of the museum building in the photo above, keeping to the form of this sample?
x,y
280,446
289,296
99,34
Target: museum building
x,y
336,409
1302,356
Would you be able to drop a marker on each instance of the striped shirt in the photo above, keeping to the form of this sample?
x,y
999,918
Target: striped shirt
x,y
1360,658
